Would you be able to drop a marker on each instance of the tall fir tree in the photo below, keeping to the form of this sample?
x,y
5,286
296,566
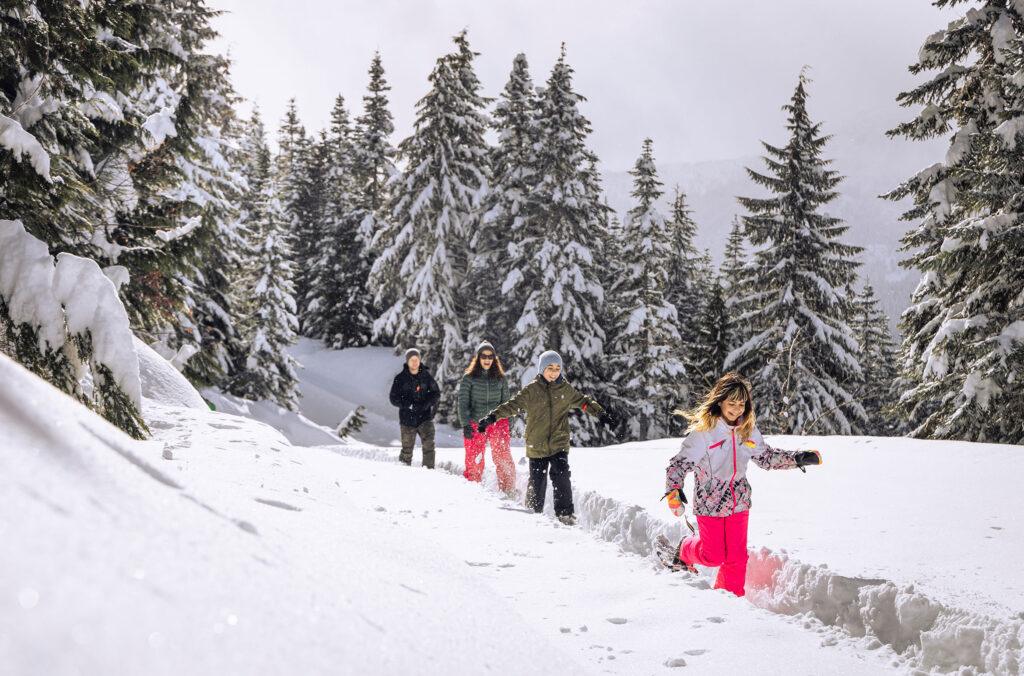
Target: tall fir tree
x,y
506,218
265,370
339,310
645,354
963,334
423,252
712,345
373,170
685,290
736,269
877,353
802,357
557,291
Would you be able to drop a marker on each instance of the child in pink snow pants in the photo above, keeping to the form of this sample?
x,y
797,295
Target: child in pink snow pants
x,y
482,389
723,438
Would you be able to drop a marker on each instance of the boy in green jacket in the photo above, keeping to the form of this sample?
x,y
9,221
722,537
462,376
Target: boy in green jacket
x,y
546,402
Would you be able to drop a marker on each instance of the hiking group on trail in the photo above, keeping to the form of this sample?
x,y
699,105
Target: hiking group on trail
x,y
722,439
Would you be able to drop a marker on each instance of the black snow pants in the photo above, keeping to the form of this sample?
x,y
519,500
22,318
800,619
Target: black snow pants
x,y
558,466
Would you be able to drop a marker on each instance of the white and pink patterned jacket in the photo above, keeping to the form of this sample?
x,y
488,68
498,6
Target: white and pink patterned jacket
x,y
718,459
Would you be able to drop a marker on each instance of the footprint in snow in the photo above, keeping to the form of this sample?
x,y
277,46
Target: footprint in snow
x,y
278,504
716,620
676,662
617,620
694,653
478,564
247,527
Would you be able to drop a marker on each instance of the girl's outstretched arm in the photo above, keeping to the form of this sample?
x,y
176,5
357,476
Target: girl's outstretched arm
x,y
769,458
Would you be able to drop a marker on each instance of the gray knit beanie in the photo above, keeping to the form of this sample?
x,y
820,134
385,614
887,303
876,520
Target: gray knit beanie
x,y
411,352
548,358
485,346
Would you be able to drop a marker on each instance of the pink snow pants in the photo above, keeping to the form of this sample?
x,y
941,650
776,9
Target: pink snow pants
x,y
500,438
722,542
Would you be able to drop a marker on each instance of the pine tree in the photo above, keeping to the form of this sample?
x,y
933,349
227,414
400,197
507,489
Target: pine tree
x,y
802,356
877,352
712,345
373,169
422,259
645,355
265,371
963,334
339,310
506,220
558,294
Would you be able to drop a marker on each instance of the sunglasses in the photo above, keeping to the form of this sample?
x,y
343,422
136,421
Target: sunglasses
x,y
486,356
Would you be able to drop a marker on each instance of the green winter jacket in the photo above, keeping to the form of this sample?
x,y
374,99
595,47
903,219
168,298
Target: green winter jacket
x,y
479,396
546,406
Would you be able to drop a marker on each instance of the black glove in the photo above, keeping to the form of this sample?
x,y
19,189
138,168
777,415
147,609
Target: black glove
x,y
485,422
608,419
806,458
467,431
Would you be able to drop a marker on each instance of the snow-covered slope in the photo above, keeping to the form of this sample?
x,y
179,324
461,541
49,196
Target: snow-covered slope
x,y
220,547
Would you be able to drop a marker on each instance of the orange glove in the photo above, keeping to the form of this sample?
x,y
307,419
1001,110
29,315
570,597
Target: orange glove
x,y
676,500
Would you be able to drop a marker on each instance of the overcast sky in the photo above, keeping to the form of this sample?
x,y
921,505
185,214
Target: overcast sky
x,y
705,80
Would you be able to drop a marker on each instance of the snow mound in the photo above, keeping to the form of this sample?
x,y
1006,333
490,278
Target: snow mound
x,y
297,428
218,548
163,383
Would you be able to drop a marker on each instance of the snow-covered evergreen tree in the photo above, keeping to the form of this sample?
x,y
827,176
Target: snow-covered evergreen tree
x,y
878,361
373,169
559,278
300,172
506,220
339,310
423,252
802,356
645,355
712,345
963,334
266,371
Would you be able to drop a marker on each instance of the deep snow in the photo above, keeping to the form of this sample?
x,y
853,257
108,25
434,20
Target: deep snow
x,y
220,547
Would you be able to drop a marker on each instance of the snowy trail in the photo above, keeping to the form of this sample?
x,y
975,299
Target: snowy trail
x,y
868,613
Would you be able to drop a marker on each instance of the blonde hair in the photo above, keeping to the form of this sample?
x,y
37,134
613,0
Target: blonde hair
x,y
730,387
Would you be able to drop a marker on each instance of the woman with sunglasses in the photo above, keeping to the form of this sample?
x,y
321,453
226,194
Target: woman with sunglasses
x,y
482,389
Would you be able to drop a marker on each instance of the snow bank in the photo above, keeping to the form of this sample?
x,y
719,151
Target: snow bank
x,y
930,634
297,428
216,549
162,383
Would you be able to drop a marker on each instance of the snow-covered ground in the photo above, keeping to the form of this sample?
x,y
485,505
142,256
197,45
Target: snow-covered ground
x,y
220,546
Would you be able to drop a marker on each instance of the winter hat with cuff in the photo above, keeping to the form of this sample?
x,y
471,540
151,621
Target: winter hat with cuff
x,y
411,352
485,346
548,358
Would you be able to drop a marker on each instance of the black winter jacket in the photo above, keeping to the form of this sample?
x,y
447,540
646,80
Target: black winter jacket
x,y
416,396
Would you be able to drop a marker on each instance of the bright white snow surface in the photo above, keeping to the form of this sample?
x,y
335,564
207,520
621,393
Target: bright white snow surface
x,y
219,547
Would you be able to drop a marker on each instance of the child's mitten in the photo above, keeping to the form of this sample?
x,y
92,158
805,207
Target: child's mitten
x,y
676,500
807,458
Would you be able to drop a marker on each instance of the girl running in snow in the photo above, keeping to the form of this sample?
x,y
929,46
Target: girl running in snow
x,y
482,389
723,437
546,402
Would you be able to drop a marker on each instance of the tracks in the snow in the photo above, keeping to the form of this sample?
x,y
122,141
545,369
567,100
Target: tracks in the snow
x,y
875,612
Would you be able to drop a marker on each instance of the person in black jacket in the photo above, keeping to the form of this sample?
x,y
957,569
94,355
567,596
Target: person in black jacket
x,y
415,393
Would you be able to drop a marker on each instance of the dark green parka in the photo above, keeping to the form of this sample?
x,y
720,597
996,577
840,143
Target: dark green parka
x,y
478,396
546,406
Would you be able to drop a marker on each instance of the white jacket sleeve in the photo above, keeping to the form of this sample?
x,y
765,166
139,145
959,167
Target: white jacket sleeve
x,y
684,461
766,457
